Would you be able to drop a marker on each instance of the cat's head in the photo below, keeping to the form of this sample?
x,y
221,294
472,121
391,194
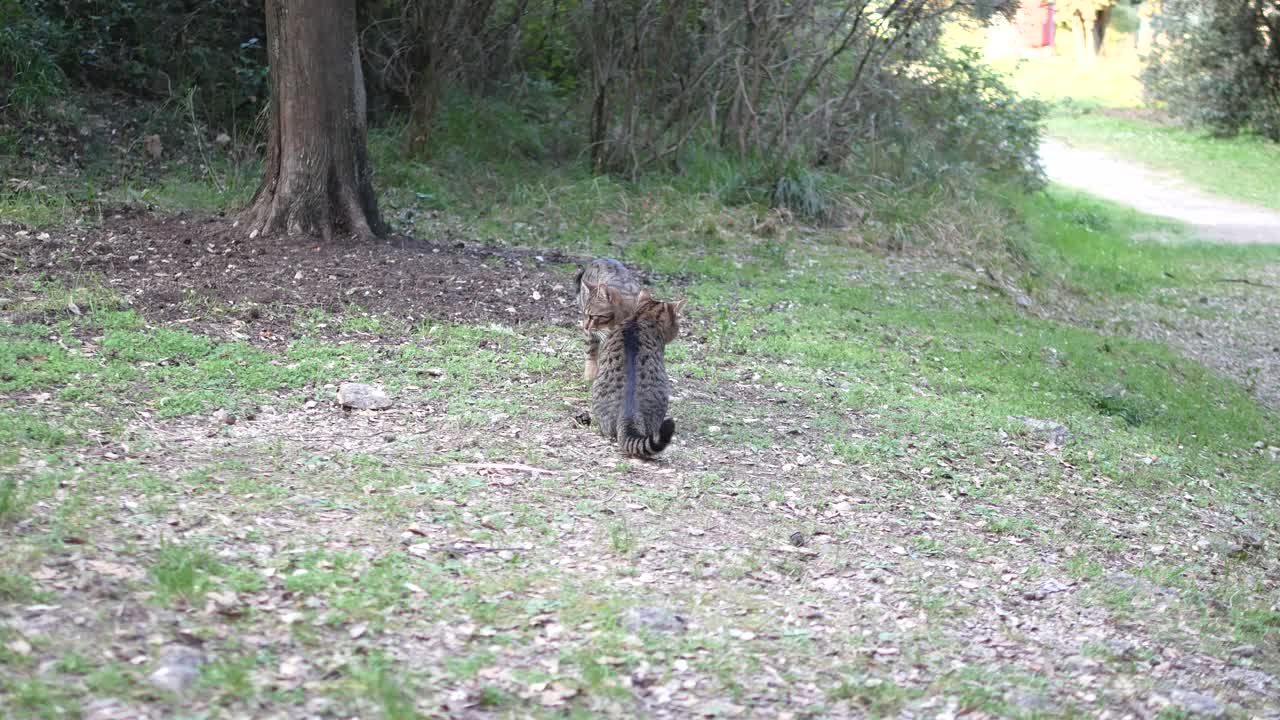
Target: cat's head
x,y
607,307
666,315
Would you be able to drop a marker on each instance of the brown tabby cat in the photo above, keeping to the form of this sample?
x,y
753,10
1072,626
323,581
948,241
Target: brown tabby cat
x,y
630,395
607,295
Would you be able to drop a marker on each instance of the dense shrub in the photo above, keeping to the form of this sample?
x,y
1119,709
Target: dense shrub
x,y
1217,64
29,71
784,85
797,93
156,48
956,115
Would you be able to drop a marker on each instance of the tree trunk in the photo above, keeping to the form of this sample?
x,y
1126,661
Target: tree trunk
x,y
317,179
1082,37
426,99
1101,19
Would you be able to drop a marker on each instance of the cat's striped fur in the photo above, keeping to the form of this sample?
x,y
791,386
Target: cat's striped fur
x,y
631,392
608,293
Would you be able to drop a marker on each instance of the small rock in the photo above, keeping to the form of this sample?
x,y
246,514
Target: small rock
x,y
1051,356
222,417
1126,581
268,410
719,708
1055,433
222,139
1249,540
1244,651
1049,587
1122,649
110,709
179,668
1197,704
1030,701
292,667
798,539
652,619
359,396
1254,680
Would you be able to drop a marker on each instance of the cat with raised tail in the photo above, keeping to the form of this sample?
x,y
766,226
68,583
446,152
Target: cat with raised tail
x,y
631,392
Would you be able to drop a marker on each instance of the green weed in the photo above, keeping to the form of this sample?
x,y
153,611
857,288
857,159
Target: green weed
x,y
184,573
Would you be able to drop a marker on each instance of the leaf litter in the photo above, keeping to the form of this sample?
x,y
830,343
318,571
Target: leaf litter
x,y
520,566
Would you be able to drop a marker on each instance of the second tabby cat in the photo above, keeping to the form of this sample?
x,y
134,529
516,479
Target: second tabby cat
x,y
608,293
630,394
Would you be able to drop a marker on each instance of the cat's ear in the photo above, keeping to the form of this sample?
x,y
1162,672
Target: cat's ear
x,y
643,297
680,304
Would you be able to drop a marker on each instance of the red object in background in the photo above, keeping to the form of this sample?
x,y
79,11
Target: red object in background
x,y
1035,23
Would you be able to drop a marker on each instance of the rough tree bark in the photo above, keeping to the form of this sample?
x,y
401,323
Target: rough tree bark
x,y
1101,19
1082,36
317,179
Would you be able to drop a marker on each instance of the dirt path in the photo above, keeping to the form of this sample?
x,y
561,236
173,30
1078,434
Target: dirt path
x,y
1158,194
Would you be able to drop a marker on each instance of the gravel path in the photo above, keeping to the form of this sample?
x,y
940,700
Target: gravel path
x,y
1157,194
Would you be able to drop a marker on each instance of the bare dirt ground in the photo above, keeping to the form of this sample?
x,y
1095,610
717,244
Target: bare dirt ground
x,y
1158,194
168,265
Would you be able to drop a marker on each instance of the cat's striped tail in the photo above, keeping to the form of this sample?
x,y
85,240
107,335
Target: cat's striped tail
x,y
633,442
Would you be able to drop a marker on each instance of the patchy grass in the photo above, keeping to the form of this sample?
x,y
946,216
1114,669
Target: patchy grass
x,y
1100,247
872,408
855,519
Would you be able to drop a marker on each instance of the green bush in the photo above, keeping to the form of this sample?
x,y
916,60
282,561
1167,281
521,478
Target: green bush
x,y
1217,65
158,49
955,115
29,71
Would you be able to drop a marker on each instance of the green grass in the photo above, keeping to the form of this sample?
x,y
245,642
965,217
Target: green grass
x,y
1246,169
1110,250
872,403
185,574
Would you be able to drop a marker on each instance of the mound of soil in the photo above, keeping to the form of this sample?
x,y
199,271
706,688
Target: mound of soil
x,y
171,267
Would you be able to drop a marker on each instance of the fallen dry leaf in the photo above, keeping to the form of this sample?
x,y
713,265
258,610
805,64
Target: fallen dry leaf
x,y
291,667
557,694
153,145
115,570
